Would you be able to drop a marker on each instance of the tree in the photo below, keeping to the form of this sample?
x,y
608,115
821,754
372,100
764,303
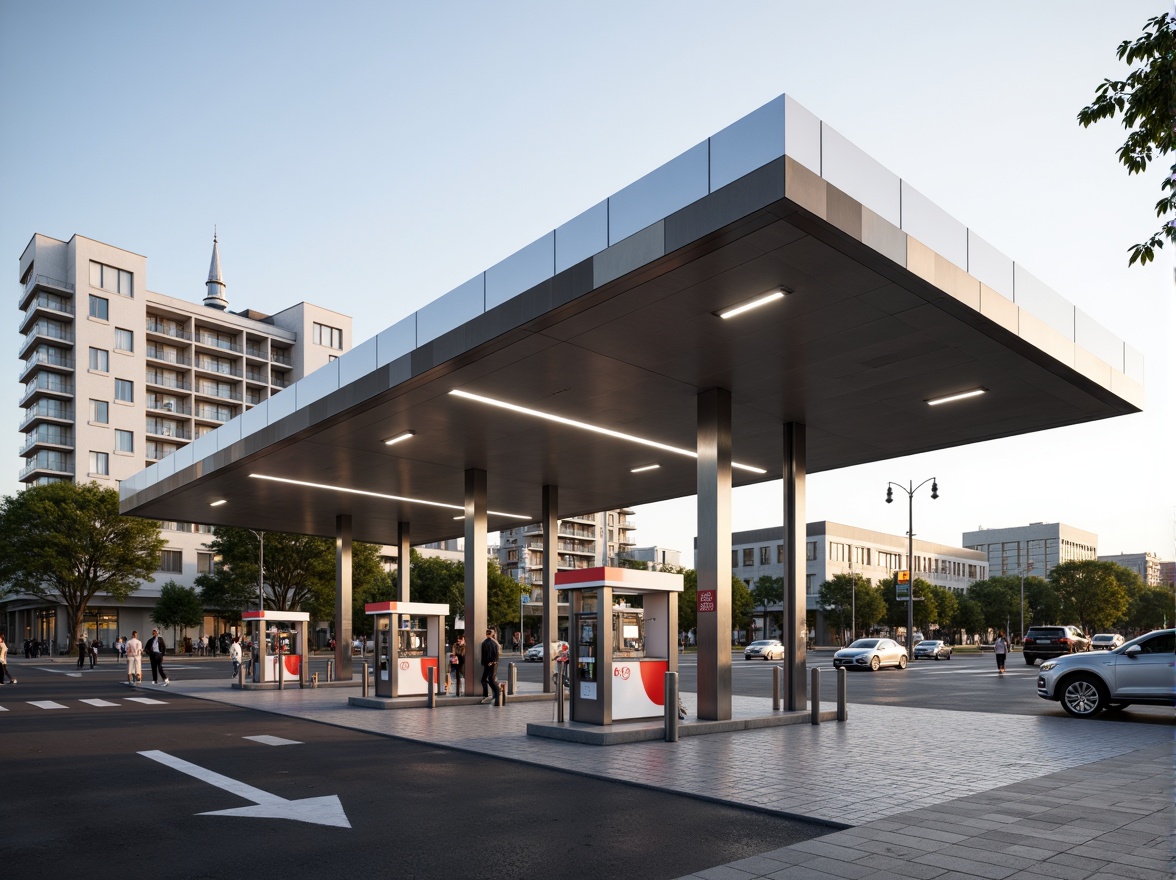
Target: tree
x,y
1147,101
969,616
742,605
767,591
1149,608
1042,606
67,542
1093,593
999,599
845,596
177,607
925,612
432,579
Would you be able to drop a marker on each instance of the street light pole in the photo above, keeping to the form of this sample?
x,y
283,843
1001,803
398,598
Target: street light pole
x,y
260,569
911,490
852,600
1028,567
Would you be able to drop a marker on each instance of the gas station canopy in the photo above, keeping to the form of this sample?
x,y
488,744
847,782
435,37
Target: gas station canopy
x,y
578,360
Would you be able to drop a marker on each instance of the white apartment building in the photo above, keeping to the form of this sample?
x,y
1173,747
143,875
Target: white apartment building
x,y
654,557
1147,565
833,548
581,542
117,377
1033,549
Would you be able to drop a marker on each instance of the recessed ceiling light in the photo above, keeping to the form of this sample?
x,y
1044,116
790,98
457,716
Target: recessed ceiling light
x,y
596,429
399,437
460,507
935,401
648,467
219,503
756,302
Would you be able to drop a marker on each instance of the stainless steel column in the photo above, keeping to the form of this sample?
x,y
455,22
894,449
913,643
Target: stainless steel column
x,y
343,635
549,629
475,572
713,556
795,535
403,560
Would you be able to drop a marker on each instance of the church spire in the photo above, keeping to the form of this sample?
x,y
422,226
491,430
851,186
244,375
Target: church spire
x,y
215,297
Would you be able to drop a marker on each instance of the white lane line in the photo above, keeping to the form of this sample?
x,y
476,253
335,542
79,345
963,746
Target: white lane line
x,y
96,702
2,709
147,701
267,740
45,704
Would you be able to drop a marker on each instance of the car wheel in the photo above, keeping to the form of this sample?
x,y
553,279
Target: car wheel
x,y
875,663
1083,696
902,662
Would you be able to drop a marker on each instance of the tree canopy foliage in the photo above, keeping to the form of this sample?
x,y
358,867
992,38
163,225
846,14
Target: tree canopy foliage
x,y
67,542
1146,101
850,603
1094,593
177,606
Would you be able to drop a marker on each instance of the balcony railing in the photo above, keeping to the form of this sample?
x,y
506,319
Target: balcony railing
x,y
216,342
154,378
254,352
57,462
280,382
47,409
281,358
213,367
55,358
48,301
167,330
175,407
41,437
168,356
214,391
50,383
215,413
168,429
46,281
51,330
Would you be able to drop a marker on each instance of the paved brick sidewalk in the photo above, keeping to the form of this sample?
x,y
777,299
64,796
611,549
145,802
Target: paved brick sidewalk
x,y
928,793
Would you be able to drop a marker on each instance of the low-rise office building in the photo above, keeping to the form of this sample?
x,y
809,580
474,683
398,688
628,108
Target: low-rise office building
x,y
1034,549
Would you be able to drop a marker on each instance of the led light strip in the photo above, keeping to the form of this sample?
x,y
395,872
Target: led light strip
x,y
383,495
596,429
963,395
778,293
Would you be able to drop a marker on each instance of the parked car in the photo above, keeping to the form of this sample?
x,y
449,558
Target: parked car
x,y
534,654
1106,642
1140,671
871,654
932,649
1046,642
764,649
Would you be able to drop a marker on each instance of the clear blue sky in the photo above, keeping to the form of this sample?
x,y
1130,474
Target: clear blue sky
x,y
370,156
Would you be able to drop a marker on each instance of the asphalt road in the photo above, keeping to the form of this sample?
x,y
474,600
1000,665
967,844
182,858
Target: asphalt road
x,y
82,792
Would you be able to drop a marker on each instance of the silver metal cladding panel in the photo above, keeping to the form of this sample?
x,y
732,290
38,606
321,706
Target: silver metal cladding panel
x,y
1098,340
358,362
343,591
753,141
933,226
317,385
228,433
859,176
802,135
713,556
397,341
635,251
461,304
282,404
989,266
674,185
581,237
1033,295
255,419
520,271
1133,363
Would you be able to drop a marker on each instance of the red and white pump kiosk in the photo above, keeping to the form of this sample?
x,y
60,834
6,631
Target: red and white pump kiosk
x,y
410,637
624,639
279,644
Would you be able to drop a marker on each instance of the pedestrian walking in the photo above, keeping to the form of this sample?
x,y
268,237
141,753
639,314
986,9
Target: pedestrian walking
x,y
4,673
490,654
83,652
457,665
134,652
235,656
1000,648
155,651
93,653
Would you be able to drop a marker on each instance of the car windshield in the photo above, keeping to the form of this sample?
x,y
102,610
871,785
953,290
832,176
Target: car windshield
x,y
1158,648
865,643
927,643
762,643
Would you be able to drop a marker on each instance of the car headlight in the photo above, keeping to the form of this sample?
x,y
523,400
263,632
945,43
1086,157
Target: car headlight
x,y
1048,665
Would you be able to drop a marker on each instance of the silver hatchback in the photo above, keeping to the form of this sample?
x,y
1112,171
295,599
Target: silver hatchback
x,y
1141,671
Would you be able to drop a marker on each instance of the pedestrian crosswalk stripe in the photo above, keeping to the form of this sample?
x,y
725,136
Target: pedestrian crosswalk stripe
x,y
273,740
147,701
46,704
100,702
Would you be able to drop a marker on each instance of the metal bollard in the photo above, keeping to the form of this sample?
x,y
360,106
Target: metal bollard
x,y
842,700
432,690
330,671
559,699
500,694
671,696
777,687
241,676
815,695
512,678
314,680
281,673
363,685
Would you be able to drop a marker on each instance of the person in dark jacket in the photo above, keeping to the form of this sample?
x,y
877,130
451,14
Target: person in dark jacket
x,y
155,649
490,654
83,652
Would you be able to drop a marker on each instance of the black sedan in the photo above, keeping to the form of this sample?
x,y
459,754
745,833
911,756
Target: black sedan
x,y
932,649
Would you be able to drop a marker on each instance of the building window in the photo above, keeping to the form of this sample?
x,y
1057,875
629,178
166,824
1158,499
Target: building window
x,y
100,360
124,390
332,337
124,340
810,584
124,441
203,563
838,552
99,308
748,556
100,464
765,555
109,278
734,558
810,551
100,412
171,561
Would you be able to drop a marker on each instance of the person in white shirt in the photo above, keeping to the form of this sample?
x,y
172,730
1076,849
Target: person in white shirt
x,y
4,662
235,656
134,651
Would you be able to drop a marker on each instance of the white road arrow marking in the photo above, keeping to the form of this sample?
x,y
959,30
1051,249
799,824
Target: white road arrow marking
x,y
317,811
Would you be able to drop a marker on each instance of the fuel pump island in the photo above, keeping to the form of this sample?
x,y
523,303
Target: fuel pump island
x,y
278,646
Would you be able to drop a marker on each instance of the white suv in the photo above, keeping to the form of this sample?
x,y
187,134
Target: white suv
x,y
1141,671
